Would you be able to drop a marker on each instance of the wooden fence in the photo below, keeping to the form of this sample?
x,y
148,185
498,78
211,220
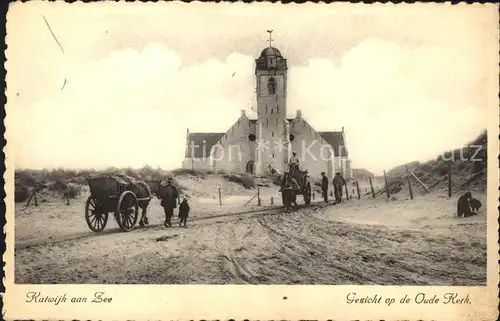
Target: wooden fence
x,y
356,190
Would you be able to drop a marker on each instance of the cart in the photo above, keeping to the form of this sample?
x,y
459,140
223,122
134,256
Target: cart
x,y
115,194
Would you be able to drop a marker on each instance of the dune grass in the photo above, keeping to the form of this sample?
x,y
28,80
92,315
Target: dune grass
x,y
61,181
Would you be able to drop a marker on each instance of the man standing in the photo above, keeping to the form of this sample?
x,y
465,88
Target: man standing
x,y
169,201
324,186
294,159
338,183
294,169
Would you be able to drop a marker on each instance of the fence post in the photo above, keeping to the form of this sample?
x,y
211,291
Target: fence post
x,y
449,179
250,200
272,201
386,185
346,192
357,188
409,181
29,200
258,196
67,198
34,195
220,198
419,181
371,187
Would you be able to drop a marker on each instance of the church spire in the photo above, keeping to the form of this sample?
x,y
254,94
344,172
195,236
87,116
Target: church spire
x,y
270,38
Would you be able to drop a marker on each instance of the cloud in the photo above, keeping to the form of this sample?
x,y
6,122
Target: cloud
x,y
393,107
132,107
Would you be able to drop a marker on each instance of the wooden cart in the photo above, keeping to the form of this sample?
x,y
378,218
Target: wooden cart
x,y
110,194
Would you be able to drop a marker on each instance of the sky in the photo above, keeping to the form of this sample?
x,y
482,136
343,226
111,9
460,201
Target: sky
x,y
406,82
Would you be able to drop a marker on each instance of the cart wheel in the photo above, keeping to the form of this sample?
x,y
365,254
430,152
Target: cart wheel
x,y
127,210
307,194
95,214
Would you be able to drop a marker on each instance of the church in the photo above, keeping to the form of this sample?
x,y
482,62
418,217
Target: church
x,y
255,146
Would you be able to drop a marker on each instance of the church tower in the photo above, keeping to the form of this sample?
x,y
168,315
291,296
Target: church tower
x,y
271,79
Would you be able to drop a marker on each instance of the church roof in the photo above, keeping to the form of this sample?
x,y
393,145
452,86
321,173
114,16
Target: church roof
x,y
336,140
270,51
201,143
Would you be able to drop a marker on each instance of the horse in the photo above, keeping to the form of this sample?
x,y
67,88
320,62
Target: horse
x,y
298,175
143,191
147,190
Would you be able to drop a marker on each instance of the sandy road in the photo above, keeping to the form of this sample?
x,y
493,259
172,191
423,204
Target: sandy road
x,y
414,242
51,240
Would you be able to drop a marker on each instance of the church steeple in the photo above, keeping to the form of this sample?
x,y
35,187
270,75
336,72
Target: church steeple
x,y
271,78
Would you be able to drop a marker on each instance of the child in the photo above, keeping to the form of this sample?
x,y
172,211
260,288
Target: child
x,y
183,212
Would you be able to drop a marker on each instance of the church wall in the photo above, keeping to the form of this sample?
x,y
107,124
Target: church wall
x,y
342,164
234,150
319,158
273,152
196,163
339,165
348,168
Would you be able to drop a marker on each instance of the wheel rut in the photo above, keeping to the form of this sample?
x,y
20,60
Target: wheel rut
x,y
89,235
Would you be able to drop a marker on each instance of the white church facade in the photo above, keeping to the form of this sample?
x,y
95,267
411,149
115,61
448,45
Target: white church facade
x,y
253,145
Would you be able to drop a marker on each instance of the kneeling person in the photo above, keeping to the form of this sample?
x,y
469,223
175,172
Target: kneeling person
x,y
463,208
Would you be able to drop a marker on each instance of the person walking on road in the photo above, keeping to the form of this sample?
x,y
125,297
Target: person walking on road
x,y
169,201
338,183
324,186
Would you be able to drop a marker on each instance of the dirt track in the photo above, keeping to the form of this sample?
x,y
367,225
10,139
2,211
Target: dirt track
x,y
358,242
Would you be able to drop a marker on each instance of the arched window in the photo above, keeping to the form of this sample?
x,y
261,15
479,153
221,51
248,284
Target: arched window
x,y
271,86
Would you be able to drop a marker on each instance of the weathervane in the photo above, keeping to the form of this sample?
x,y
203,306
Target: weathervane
x,y
270,37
